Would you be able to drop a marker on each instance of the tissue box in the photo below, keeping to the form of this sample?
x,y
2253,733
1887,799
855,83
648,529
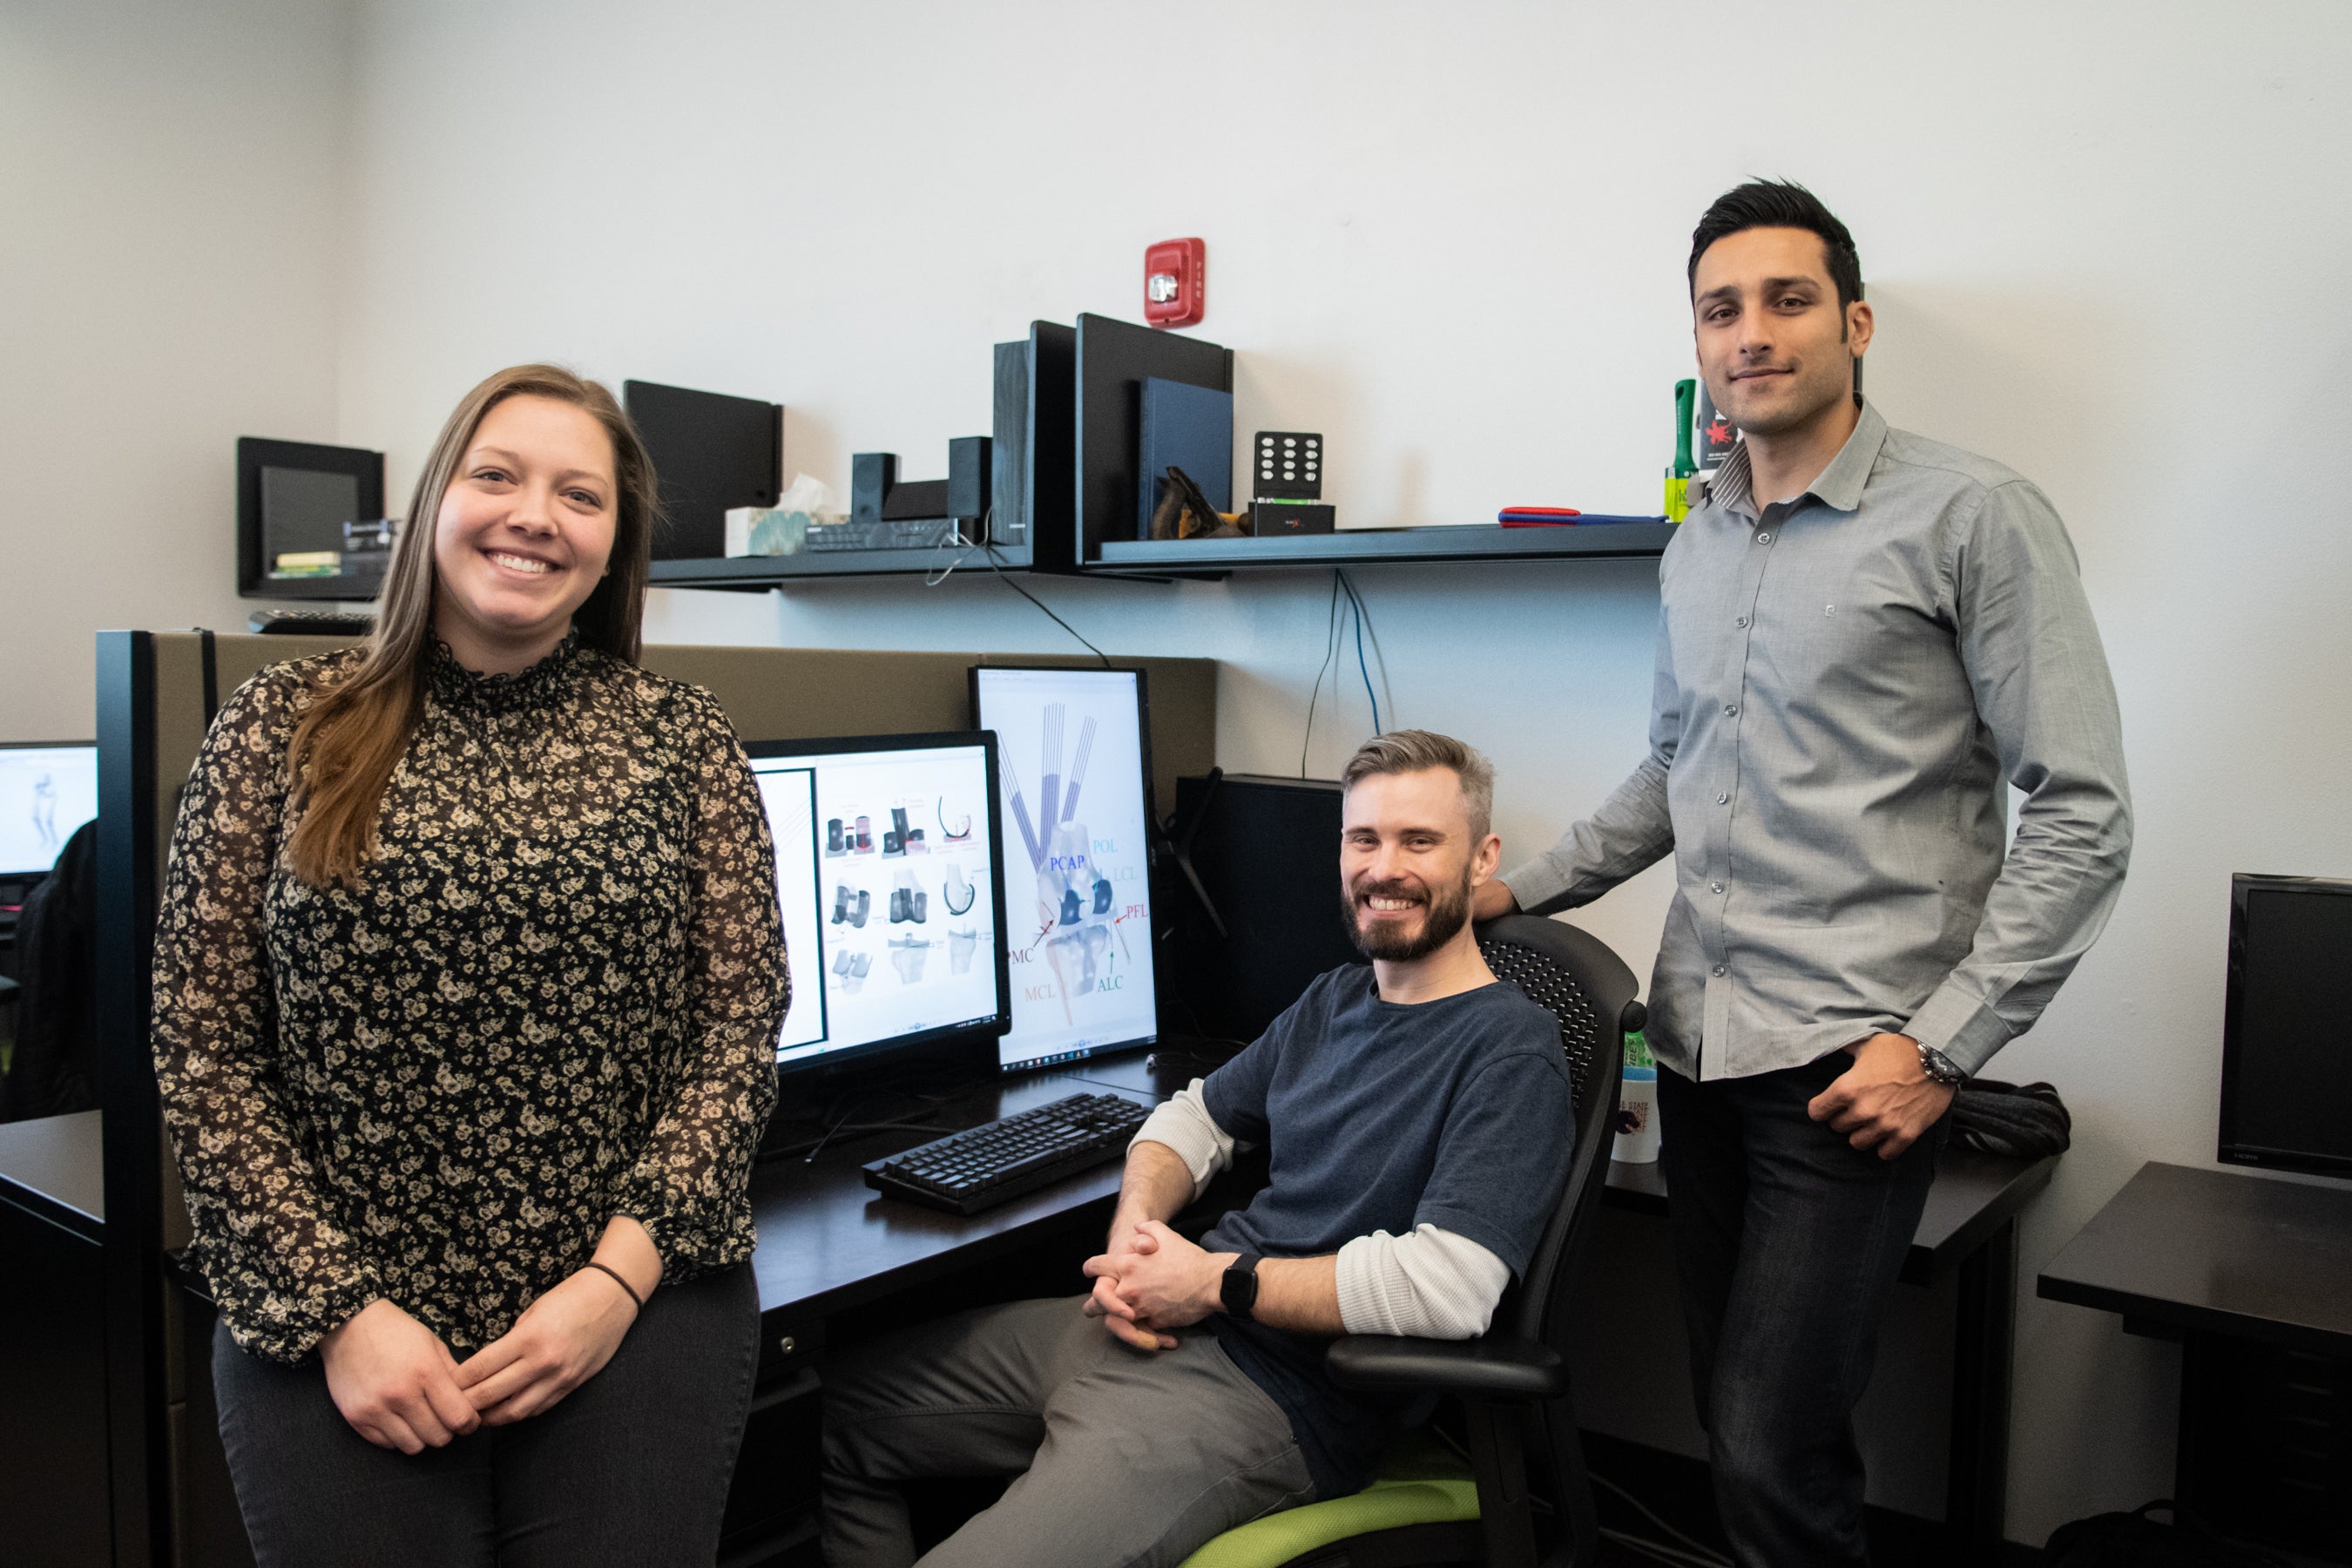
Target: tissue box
x,y
766,530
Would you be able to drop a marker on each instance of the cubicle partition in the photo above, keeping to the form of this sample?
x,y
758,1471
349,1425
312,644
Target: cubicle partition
x,y
156,693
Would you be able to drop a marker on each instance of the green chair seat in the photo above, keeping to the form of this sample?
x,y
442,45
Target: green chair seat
x,y
1420,1481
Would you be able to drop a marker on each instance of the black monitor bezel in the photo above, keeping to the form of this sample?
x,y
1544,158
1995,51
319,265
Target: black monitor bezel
x,y
2230,1150
949,1041
255,452
1151,826
27,878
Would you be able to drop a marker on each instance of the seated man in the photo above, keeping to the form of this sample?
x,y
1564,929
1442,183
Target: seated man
x,y
1419,1118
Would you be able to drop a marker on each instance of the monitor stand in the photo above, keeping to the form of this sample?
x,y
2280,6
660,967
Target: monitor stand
x,y
897,1085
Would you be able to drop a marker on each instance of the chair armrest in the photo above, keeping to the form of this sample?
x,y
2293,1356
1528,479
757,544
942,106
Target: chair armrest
x,y
1497,1366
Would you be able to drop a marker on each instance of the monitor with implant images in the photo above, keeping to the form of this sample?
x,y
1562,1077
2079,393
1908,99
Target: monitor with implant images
x,y
892,889
1074,752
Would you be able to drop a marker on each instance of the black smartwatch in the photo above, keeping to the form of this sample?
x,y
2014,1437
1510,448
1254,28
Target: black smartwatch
x,y
1237,1292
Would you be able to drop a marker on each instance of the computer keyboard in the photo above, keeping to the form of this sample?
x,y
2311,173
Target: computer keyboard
x,y
991,1163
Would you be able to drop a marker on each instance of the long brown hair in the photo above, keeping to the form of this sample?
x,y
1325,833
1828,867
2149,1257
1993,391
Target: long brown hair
x,y
346,746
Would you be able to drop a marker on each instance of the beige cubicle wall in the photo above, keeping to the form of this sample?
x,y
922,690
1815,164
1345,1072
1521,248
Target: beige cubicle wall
x,y
771,693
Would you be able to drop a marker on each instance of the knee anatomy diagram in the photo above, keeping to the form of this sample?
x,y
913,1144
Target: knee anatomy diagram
x,y
1078,908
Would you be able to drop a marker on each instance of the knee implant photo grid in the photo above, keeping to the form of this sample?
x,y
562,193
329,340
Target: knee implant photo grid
x,y
883,869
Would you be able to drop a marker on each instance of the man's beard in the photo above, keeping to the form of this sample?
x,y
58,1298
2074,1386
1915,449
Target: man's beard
x,y
1445,914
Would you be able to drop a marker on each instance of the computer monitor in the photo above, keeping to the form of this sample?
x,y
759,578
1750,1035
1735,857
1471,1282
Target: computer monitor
x,y
1075,750
892,887
2286,1028
47,790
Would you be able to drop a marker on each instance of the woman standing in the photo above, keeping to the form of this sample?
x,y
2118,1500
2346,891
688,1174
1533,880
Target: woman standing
x,y
468,979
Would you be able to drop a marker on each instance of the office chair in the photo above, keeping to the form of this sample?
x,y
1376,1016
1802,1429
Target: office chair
x,y
1426,1507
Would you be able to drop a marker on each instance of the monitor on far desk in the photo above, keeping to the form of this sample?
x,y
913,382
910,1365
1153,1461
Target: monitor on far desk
x,y
2286,1028
46,791
892,889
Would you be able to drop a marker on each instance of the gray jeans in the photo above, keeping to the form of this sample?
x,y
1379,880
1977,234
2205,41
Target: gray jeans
x,y
631,1470
1123,1456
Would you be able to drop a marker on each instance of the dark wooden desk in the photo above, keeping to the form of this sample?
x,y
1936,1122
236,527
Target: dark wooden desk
x,y
55,1167
1969,1226
828,1242
54,1484
2252,1272
2238,1253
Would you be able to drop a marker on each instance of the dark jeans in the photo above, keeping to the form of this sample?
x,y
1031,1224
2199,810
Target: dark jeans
x,y
631,1468
1787,1241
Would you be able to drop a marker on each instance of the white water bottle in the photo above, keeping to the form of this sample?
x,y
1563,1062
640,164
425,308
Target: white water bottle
x,y
1637,1105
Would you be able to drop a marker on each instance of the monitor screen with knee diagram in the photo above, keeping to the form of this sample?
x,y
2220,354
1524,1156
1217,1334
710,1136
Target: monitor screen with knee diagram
x,y
1073,752
891,884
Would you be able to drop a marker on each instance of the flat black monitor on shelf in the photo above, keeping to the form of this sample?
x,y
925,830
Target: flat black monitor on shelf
x,y
892,885
1114,360
711,453
48,789
310,520
2286,1030
1075,752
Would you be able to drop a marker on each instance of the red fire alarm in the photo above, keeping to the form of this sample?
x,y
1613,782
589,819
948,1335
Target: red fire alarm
x,y
1176,282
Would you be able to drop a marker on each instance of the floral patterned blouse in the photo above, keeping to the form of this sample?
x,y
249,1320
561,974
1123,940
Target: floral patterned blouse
x,y
551,999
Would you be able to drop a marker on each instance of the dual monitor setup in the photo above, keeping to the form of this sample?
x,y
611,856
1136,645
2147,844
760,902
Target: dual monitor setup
x,y
975,900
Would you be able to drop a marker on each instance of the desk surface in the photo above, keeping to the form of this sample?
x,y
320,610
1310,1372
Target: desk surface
x,y
1973,1197
2234,1252
56,1166
827,1241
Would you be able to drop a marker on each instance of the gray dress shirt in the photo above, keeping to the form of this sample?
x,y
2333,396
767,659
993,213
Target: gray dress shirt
x,y
1844,681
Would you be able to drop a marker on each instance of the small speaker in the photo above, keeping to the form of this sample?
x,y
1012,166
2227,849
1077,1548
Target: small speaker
x,y
872,476
969,472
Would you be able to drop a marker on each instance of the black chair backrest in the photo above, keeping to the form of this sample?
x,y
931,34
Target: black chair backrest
x,y
1588,988
54,1068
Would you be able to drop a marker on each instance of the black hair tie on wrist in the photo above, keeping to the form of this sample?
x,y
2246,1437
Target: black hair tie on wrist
x,y
606,1268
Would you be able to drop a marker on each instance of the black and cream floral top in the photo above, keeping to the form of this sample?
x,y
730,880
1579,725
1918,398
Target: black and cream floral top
x,y
553,998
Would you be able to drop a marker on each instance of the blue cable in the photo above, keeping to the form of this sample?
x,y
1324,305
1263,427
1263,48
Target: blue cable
x,y
1365,668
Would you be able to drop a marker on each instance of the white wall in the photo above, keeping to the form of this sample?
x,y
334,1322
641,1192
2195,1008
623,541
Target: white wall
x,y
171,180
2106,244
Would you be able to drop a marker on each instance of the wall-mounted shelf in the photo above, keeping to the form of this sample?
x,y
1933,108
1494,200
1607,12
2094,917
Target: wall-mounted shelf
x,y
1165,558
758,574
1373,546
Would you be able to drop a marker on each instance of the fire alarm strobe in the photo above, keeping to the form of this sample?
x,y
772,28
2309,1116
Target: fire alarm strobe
x,y
1175,282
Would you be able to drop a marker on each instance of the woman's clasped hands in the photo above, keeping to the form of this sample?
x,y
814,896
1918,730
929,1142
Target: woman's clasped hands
x,y
401,1387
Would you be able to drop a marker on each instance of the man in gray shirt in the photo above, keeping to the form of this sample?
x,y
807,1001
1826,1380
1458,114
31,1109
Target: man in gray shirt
x,y
1864,638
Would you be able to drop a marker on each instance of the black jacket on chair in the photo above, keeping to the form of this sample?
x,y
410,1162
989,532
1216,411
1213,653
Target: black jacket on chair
x,y
54,1068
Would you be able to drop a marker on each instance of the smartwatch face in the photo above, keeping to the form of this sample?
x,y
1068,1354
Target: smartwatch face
x,y
1238,1290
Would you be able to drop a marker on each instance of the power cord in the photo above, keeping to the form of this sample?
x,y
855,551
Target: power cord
x,y
1658,1551
1690,1551
953,535
1330,648
997,560
1355,600
1364,628
857,1130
